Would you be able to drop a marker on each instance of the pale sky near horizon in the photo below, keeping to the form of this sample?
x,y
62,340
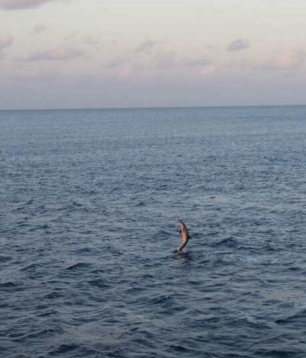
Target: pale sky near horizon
x,y
141,53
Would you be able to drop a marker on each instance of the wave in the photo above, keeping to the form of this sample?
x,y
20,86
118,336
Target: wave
x,y
299,315
8,284
100,283
64,349
44,333
4,259
162,300
229,242
79,265
30,267
53,295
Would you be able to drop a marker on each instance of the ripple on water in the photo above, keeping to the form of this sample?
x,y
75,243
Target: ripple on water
x,y
100,283
79,266
4,259
8,285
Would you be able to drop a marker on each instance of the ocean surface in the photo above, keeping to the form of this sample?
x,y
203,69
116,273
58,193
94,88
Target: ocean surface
x,y
89,209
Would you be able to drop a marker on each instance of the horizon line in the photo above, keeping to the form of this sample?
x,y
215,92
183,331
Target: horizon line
x,y
150,108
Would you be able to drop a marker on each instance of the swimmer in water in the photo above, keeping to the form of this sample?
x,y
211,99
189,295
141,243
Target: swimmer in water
x,y
185,235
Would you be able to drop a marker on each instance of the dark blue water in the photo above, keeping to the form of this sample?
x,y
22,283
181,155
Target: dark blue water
x,y
88,225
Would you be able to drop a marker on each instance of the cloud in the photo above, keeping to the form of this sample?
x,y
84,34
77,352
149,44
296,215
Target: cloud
x,y
195,62
38,29
211,47
91,41
146,46
56,54
208,70
169,60
162,64
238,45
5,42
289,60
116,63
166,60
34,75
126,72
21,4
202,66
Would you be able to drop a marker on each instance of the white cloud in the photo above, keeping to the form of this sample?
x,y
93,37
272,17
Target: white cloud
x,y
56,54
146,46
38,29
34,75
162,64
21,4
238,45
288,60
195,62
5,42
166,60
169,60
116,63
91,40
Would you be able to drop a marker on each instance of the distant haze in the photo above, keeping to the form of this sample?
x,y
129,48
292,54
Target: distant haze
x,y
141,53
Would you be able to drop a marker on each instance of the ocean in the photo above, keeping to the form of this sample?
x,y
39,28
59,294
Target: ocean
x,y
90,203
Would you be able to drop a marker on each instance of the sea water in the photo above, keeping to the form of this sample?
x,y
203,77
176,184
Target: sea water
x,y
89,209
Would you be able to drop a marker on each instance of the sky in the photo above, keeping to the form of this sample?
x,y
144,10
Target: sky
x,y
144,53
